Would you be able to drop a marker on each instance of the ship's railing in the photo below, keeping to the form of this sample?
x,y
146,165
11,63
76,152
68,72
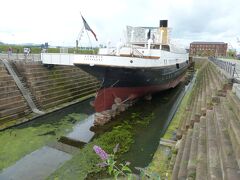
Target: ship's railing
x,y
58,58
113,52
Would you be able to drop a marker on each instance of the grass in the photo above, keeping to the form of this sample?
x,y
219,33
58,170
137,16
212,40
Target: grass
x,y
159,164
229,58
178,116
37,49
20,141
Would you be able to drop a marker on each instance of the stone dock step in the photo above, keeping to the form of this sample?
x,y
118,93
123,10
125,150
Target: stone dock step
x,y
233,127
167,142
64,147
201,167
214,168
210,147
36,166
235,103
228,160
21,88
182,174
81,131
58,85
192,163
178,158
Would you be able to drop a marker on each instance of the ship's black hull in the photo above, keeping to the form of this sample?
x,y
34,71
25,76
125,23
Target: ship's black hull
x,y
134,77
130,83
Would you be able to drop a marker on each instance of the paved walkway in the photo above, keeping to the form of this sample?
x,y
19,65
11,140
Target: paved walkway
x,y
36,166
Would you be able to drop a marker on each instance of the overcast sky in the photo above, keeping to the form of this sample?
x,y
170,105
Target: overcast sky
x,y
59,22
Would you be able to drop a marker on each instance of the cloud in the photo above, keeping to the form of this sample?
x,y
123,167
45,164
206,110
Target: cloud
x,y
207,20
59,22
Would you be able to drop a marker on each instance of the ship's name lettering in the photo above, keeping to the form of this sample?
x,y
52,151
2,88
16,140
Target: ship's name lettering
x,y
93,58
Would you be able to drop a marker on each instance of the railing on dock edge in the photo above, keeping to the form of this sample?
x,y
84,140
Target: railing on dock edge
x,y
230,68
21,56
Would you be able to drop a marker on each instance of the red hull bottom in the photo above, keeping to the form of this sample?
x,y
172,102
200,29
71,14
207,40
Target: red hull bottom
x,y
106,97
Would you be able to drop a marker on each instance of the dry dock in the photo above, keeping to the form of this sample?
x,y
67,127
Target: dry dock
x,y
206,142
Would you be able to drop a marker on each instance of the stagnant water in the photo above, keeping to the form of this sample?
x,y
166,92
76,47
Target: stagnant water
x,y
82,107
162,106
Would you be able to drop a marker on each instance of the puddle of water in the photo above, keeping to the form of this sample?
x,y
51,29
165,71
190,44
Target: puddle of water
x,y
55,117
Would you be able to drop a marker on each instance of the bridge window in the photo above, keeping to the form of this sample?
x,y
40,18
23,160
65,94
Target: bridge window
x,y
165,47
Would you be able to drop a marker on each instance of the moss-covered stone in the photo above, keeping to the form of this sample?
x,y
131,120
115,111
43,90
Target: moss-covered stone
x,y
18,142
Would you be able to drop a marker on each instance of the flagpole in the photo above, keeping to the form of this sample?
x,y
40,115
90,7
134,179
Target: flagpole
x,y
80,36
80,33
87,28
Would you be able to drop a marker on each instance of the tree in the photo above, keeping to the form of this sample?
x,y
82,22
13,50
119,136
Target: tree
x,y
231,53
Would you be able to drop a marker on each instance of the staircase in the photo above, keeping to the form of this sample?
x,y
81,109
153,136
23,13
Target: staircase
x,y
58,85
209,133
26,87
13,107
22,88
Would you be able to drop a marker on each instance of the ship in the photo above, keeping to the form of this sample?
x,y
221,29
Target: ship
x,y
147,63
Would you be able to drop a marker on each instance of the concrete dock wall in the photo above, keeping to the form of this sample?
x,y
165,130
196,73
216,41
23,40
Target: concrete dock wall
x,y
12,103
48,87
56,85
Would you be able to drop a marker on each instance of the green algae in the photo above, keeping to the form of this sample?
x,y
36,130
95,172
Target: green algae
x,y
162,157
180,114
20,141
85,161
185,103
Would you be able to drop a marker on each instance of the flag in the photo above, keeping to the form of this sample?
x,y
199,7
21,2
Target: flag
x,y
87,27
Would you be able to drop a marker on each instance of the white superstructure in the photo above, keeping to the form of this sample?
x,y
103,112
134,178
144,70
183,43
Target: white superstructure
x,y
144,47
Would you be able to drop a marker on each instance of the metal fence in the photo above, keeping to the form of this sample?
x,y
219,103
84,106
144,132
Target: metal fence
x,y
232,69
21,57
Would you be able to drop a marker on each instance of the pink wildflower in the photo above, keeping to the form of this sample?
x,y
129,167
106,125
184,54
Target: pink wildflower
x,y
100,152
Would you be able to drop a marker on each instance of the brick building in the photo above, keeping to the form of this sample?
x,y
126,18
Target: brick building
x,y
208,49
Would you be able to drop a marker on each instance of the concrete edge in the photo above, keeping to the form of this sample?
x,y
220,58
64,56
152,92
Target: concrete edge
x,y
57,108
